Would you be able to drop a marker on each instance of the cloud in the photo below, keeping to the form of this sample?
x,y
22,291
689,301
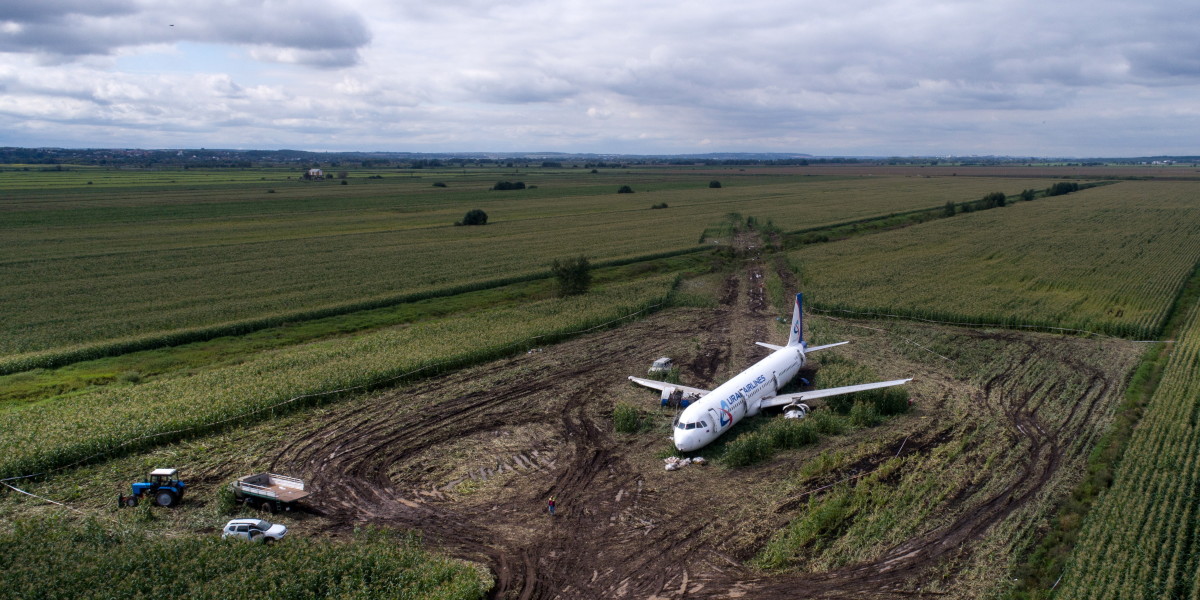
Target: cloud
x,y
307,32
855,76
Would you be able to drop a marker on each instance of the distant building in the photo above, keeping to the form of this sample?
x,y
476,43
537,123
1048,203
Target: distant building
x,y
314,174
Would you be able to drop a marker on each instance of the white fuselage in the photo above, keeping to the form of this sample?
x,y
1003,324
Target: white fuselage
x,y
719,410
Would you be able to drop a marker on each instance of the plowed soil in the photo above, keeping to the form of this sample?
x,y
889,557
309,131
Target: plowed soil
x,y
469,460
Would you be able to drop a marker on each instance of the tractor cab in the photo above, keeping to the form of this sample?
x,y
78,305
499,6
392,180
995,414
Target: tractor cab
x,y
164,478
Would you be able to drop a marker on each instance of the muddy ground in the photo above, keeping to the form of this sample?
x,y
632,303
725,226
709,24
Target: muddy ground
x,y
469,459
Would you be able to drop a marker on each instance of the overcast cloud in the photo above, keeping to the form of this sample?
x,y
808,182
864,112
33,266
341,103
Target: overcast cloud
x,y
880,77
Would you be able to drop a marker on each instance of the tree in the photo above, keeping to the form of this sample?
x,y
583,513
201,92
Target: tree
x,y
508,185
474,217
574,275
992,200
625,190
1028,195
714,184
1062,187
949,210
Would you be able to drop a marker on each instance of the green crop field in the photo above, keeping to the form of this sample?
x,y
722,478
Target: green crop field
x,y
61,431
142,254
1141,541
94,258
1108,259
61,558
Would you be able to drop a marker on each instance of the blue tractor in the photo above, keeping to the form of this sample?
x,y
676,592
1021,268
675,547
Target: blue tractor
x,y
161,487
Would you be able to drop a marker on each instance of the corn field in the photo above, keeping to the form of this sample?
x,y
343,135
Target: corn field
x,y
146,261
58,558
68,429
1108,259
1142,539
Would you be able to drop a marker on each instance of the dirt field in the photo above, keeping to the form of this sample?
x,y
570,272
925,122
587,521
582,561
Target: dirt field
x,y
469,459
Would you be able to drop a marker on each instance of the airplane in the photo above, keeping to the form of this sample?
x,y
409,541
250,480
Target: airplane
x,y
711,413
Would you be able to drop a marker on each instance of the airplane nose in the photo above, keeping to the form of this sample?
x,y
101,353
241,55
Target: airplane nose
x,y
684,442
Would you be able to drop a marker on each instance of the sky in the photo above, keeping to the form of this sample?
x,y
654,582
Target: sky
x,y
1062,78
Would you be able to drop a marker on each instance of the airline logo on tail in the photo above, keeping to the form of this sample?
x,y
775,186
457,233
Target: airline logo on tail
x,y
797,336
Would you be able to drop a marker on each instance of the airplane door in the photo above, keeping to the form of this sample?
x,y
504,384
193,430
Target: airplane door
x,y
714,420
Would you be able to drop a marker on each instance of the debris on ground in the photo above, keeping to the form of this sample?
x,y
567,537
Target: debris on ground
x,y
674,463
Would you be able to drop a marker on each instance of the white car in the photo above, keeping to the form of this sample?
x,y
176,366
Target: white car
x,y
255,530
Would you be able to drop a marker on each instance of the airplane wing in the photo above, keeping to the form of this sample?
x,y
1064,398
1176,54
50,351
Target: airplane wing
x,y
662,385
802,396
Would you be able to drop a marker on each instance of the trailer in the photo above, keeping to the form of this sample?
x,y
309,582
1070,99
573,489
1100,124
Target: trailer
x,y
270,492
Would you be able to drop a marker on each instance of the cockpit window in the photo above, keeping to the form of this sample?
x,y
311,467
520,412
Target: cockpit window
x,y
701,424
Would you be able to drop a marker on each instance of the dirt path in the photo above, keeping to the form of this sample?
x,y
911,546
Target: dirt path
x,y
469,460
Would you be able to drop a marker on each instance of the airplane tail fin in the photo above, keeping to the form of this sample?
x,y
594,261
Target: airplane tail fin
x,y
796,338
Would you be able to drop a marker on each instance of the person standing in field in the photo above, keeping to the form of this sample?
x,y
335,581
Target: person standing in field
x,y
550,505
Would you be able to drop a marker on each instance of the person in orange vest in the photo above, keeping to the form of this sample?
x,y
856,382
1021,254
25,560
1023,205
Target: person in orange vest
x,y
550,505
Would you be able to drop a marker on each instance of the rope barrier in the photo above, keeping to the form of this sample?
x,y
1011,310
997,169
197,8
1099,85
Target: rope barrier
x,y
42,498
895,334
997,325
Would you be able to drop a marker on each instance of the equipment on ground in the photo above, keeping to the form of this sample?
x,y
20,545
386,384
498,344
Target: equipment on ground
x,y
254,530
161,486
269,492
662,365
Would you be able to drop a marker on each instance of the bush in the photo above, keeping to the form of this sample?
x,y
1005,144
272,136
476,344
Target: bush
x,y
1062,187
227,503
627,418
574,275
714,184
439,184
891,401
625,190
863,414
509,185
747,449
791,433
659,205
992,200
474,217
948,211
826,423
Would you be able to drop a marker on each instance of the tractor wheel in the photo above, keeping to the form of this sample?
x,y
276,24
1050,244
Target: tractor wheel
x,y
165,498
131,501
